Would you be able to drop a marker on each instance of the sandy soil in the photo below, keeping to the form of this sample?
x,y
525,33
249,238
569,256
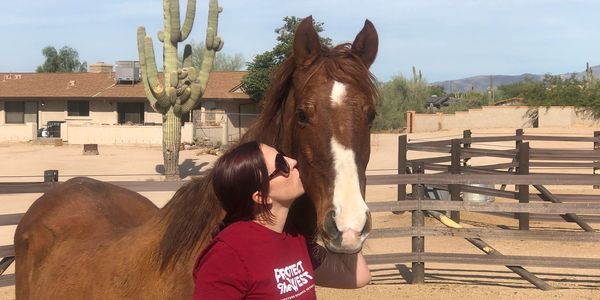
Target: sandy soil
x,y
23,162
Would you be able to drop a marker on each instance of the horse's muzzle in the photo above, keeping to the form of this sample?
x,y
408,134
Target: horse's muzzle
x,y
347,240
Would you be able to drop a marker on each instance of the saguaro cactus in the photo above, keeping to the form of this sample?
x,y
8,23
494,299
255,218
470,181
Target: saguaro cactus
x,y
589,75
181,88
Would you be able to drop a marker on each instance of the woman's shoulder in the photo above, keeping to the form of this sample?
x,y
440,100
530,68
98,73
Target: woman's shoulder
x,y
239,232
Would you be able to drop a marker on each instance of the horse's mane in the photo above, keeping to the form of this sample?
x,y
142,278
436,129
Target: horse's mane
x,y
192,216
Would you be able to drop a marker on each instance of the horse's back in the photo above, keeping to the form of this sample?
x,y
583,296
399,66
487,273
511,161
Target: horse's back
x,y
75,213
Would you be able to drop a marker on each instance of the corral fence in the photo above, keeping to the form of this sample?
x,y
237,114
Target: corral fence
x,y
451,173
456,176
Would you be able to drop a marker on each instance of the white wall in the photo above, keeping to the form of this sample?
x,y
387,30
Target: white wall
x,y
119,134
18,132
502,117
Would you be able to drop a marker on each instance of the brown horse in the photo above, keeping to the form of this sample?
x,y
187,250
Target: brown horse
x,y
86,239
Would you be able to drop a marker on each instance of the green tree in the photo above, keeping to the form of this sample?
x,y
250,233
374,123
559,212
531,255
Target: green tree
x,y
398,96
64,60
261,67
525,88
222,62
584,94
466,101
437,90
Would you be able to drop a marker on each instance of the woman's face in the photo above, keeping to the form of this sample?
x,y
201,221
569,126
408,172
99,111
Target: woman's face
x,y
282,189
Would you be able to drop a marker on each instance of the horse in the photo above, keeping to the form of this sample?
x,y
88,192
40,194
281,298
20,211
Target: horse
x,y
86,239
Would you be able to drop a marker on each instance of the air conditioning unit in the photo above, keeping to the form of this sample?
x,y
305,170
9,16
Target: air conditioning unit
x,y
127,71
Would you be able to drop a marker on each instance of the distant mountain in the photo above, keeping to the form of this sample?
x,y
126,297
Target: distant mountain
x,y
481,83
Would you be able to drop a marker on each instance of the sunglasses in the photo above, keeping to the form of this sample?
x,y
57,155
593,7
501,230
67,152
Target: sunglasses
x,y
281,167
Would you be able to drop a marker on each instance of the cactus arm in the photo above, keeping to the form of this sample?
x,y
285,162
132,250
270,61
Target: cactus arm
x,y
146,53
171,15
151,72
161,36
190,14
173,79
150,66
192,74
213,43
196,92
185,95
182,74
171,95
207,63
141,34
212,40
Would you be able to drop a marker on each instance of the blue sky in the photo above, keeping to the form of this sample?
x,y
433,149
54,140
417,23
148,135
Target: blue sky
x,y
445,39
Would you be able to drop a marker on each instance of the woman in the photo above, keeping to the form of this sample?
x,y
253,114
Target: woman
x,y
255,257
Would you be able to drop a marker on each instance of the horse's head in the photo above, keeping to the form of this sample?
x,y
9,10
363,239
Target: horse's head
x,y
327,115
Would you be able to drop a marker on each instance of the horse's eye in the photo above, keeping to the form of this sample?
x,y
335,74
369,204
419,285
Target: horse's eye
x,y
302,117
371,116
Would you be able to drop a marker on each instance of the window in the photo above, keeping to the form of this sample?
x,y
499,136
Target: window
x,y
131,112
15,112
210,116
78,108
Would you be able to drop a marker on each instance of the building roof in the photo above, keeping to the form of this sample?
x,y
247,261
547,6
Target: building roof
x,y
47,86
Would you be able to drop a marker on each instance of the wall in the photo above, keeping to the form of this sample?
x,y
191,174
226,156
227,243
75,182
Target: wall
x,y
101,112
499,117
119,134
18,132
52,110
565,116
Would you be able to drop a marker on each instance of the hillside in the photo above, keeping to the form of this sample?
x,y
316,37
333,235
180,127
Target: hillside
x,y
481,83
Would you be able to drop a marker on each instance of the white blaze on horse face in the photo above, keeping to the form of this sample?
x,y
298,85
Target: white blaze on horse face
x,y
350,207
338,93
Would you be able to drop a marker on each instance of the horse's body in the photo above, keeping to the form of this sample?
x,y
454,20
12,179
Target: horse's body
x,y
86,239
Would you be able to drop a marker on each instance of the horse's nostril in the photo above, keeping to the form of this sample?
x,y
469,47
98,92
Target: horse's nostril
x,y
330,226
367,228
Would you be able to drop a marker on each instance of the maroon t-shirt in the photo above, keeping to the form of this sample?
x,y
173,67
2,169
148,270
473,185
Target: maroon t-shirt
x,y
250,261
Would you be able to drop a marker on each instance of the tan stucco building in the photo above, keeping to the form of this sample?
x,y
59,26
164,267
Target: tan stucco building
x,y
93,108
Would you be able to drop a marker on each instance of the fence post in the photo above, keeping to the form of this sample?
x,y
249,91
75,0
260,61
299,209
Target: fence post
x,y
518,141
418,220
596,170
454,168
466,135
402,141
523,189
518,137
409,121
51,176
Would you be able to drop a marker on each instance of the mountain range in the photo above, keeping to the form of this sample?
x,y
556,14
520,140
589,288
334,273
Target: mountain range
x,y
482,82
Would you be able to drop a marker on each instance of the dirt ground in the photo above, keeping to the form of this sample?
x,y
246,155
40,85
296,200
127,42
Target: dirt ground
x,y
24,162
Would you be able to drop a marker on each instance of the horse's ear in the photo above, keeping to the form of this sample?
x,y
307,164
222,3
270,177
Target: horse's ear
x,y
306,43
366,43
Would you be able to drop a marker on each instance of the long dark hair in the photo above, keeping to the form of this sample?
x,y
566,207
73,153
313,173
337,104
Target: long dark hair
x,y
237,175
195,213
